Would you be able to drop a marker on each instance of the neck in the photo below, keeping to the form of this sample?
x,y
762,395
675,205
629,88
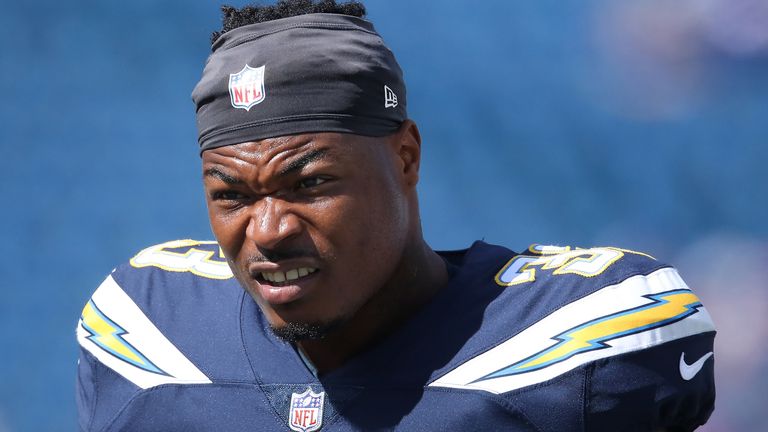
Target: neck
x,y
420,274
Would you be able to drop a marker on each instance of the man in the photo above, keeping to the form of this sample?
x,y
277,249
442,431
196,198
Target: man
x,y
320,306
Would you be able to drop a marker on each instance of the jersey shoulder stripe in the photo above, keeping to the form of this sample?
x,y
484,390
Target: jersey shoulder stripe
x,y
636,313
114,329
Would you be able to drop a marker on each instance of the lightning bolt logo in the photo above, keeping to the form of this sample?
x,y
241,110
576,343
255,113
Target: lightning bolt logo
x,y
665,308
109,336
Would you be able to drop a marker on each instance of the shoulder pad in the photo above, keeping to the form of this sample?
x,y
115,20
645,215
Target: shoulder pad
x,y
116,331
139,321
595,303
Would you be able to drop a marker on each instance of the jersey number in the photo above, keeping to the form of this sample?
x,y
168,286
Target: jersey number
x,y
185,258
583,262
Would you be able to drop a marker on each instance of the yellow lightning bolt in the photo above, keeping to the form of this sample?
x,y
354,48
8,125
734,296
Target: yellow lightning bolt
x,y
108,335
666,308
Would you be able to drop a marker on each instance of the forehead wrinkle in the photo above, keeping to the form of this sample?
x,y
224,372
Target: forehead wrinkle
x,y
288,154
258,161
273,149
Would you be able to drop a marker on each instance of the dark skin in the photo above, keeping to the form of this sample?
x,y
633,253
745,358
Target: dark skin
x,y
323,229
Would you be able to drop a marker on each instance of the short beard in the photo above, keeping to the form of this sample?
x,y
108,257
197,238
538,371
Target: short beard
x,y
294,332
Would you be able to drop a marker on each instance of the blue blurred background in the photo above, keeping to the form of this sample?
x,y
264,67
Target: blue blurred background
x,y
639,124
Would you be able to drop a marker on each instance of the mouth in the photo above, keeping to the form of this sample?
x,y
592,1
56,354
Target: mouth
x,y
284,285
280,278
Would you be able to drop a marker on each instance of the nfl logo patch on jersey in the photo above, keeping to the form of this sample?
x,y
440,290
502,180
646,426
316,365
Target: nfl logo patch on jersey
x,y
306,413
246,88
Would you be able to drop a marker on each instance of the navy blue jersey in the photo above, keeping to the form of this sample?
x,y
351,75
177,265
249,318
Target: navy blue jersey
x,y
553,339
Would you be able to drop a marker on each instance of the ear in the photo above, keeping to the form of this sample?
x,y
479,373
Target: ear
x,y
407,141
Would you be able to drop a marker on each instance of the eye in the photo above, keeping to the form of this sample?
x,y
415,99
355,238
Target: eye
x,y
310,182
227,196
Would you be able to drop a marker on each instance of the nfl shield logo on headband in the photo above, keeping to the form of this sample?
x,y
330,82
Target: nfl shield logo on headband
x,y
246,88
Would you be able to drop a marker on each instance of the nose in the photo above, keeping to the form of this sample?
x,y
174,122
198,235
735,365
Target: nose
x,y
272,222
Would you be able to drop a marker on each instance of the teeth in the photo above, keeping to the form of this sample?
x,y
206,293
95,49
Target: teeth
x,y
290,275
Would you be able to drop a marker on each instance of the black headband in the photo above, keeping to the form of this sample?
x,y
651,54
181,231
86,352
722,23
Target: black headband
x,y
308,73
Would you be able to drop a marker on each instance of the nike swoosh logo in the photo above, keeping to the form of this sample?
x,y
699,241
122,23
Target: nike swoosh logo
x,y
688,371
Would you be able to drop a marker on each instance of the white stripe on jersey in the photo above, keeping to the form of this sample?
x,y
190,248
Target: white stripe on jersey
x,y
138,335
508,367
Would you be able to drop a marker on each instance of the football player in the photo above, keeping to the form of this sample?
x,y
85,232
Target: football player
x,y
320,305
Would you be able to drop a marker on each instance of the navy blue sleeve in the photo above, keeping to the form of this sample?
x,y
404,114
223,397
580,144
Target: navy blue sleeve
x,y
670,386
101,393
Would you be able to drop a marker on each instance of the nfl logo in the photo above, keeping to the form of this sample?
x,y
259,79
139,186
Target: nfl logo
x,y
246,88
306,413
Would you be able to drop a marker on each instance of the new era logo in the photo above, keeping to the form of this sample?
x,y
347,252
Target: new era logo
x,y
390,98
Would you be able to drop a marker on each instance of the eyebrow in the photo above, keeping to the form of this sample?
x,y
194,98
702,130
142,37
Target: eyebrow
x,y
226,178
299,163
293,166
